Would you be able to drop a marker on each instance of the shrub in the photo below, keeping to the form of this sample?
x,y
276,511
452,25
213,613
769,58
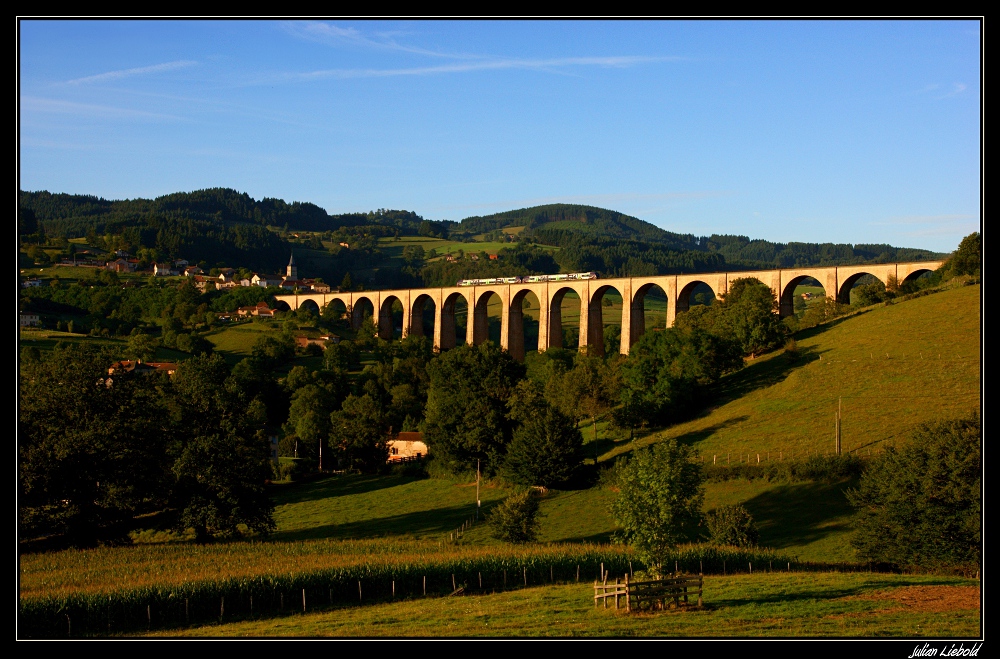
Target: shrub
x,y
546,450
920,506
732,525
516,518
659,493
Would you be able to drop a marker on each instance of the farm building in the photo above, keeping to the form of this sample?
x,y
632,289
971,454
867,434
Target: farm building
x,y
407,446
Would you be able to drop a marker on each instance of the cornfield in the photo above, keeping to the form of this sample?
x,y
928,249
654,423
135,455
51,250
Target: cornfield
x,y
111,591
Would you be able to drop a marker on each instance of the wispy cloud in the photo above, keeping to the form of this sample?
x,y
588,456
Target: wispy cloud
x,y
549,65
31,104
956,89
128,73
335,35
933,225
934,88
928,219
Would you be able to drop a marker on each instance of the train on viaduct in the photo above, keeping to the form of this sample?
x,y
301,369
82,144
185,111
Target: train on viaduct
x,y
837,281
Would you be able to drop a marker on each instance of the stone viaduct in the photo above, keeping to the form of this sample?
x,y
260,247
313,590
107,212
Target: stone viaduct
x,y
836,281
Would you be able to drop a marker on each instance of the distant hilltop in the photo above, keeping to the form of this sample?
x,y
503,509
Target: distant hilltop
x,y
224,226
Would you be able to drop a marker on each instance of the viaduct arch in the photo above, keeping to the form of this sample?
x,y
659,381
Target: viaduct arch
x,y
836,281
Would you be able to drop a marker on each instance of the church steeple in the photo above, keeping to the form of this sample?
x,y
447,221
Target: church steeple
x,y
291,272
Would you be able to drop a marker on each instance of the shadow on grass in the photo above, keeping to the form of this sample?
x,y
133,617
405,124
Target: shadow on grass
x,y
700,435
604,538
421,523
795,514
828,593
337,486
763,373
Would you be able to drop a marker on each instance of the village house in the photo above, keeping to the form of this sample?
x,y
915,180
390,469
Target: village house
x,y
121,265
192,270
29,320
265,281
161,270
260,309
407,447
305,341
204,283
139,366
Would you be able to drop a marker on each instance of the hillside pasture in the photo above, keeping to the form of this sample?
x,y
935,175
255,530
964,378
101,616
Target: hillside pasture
x,y
805,605
889,369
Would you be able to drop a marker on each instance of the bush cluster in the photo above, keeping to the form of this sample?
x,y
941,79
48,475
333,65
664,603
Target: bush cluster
x,y
823,468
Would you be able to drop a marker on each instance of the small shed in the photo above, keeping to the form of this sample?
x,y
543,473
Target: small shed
x,y
406,447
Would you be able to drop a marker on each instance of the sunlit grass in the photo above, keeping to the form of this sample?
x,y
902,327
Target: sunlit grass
x,y
888,369
759,605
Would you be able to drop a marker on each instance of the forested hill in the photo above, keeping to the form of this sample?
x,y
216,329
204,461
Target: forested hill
x,y
213,225
570,223
75,214
591,230
223,225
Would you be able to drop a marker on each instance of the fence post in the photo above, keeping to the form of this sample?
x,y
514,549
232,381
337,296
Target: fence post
x,y
616,594
526,575
303,600
359,590
425,585
628,592
578,573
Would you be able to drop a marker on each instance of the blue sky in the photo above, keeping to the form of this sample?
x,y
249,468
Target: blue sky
x,y
842,131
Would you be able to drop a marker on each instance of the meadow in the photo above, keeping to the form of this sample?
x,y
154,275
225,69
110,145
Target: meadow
x,y
889,368
802,605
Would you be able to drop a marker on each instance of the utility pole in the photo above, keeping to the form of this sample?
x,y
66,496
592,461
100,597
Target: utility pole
x,y
838,425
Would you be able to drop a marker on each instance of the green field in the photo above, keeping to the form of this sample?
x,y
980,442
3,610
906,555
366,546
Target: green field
x,y
889,368
760,605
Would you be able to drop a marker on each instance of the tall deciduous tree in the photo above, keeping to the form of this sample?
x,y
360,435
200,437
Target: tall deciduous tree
x,y
91,451
668,372
546,448
467,415
659,493
359,433
747,313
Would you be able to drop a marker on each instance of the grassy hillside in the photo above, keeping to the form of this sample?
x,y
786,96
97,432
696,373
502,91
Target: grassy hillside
x,y
780,407
889,368
759,605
